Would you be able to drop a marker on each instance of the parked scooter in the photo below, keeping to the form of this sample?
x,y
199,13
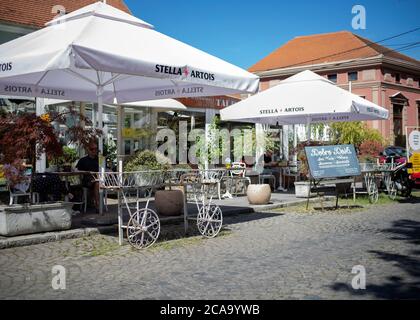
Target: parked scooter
x,y
400,177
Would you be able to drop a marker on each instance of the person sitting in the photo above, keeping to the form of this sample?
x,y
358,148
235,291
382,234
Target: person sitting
x,y
268,160
269,168
90,163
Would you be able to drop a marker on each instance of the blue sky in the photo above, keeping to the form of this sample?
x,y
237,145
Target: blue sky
x,y
244,31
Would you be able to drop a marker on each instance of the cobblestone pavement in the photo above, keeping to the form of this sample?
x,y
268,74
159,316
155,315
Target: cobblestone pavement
x,y
262,256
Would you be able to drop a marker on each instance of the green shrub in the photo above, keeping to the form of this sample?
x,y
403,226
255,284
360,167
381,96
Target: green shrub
x,y
68,157
353,133
146,160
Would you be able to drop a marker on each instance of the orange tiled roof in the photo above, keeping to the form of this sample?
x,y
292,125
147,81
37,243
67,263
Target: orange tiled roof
x,y
35,13
323,48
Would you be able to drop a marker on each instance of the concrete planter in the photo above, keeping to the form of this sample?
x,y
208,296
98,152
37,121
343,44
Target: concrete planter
x,y
302,189
169,202
24,219
259,194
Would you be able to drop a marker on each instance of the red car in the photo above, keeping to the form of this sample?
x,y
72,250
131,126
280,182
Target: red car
x,y
398,153
400,156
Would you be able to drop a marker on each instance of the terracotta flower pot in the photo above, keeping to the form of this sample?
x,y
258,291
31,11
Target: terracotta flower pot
x,y
169,202
259,194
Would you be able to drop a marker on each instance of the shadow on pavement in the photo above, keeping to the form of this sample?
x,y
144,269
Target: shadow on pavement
x,y
396,287
170,229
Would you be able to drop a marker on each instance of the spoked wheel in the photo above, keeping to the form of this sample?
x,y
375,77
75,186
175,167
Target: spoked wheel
x,y
373,192
143,228
209,220
392,190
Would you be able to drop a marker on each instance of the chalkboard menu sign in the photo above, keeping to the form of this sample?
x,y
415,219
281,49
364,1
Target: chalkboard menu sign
x,y
332,161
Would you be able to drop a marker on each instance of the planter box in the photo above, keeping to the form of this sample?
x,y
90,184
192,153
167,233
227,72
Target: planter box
x,y
24,219
302,189
169,202
259,194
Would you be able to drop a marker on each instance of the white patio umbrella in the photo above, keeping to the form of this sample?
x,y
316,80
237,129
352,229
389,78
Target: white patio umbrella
x,y
158,105
303,99
102,54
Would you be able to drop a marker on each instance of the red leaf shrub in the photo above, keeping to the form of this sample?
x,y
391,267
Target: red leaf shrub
x,y
27,136
370,148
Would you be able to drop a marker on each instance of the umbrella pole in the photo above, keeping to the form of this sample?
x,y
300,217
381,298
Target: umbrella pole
x,y
308,125
101,148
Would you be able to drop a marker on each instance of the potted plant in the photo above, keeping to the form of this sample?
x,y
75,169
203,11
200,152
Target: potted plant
x,y
258,194
110,153
27,136
66,160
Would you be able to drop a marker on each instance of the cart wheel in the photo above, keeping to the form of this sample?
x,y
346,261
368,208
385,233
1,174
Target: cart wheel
x,y
209,220
143,228
373,193
392,191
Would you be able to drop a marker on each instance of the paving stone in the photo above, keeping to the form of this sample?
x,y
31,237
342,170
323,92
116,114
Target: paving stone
x,y
264,256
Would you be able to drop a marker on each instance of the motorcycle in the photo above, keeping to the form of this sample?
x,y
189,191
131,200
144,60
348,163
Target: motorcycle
x,y
401,182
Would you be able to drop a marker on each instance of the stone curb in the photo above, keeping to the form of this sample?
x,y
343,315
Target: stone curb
x,y
286,204
27,240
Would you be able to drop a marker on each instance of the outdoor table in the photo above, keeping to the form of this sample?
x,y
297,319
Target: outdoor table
x,y
70,174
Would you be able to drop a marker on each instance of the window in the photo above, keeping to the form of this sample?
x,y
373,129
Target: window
x,y
353,76
398,125
332,77
418,115
397,78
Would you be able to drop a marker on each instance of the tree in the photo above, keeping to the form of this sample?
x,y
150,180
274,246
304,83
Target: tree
x,y
353,133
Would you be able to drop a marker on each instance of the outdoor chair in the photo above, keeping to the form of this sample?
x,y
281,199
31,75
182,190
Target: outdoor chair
x,y
213,178
268,176
192,182
15,194
292,171
85,199
240,181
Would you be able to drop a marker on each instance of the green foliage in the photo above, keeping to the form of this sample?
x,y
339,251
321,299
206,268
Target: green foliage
x,y
214,147
146,160
68,157
317,130
249,146
110,152
353,133
245,143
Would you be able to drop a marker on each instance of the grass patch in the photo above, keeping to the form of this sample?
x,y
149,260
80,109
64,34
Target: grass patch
x,y
416,193
96,246
344,205
168,244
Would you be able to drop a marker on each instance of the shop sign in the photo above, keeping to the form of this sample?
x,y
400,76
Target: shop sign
x,y
414,140
415,160
332,161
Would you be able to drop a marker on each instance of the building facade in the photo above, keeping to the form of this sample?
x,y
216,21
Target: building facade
x,y
379,74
